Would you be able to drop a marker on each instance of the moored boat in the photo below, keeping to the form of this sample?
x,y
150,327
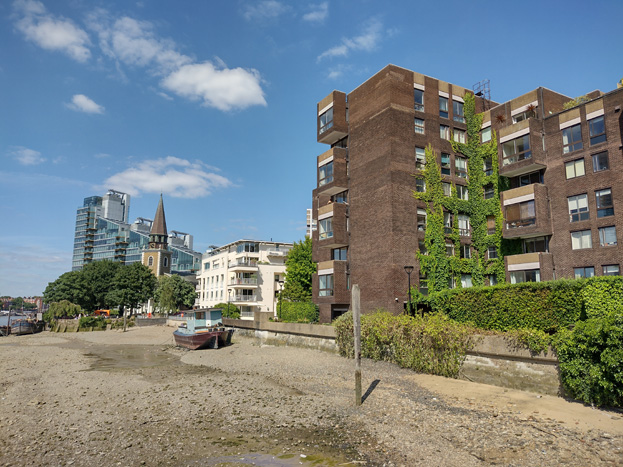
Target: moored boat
x,y
203,329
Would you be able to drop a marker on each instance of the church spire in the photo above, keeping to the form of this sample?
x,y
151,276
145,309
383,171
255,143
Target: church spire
x,y
158,235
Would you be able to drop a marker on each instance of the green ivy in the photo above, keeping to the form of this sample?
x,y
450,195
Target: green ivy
x,y
297,312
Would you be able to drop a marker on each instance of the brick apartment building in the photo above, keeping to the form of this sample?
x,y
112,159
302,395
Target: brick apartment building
x,y
563,204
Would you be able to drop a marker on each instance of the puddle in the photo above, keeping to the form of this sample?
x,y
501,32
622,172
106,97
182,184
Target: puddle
x,y
268,460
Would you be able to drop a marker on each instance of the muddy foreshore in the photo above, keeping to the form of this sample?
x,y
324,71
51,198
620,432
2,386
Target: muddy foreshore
x,y
114,398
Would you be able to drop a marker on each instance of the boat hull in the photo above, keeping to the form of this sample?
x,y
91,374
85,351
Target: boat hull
x,y
212,339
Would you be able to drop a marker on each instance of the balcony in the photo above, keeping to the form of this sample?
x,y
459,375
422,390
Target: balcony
x,y
332,171
332,122
277,253
337,235
243,264
243,282
244,298
521,149
530,261
526,211
339,293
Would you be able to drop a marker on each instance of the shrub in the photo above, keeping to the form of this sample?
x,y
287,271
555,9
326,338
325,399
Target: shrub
x,y
97,322
603,296
229,310
297,312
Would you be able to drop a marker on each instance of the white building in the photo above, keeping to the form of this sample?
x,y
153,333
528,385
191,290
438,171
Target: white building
x,y
246,273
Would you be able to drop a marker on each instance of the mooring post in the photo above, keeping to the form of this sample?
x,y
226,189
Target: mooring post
x,y
357,332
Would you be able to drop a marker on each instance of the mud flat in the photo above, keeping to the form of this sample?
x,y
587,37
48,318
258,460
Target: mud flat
x,y
114,398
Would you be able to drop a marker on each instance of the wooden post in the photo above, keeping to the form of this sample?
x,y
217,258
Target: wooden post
x,y
357,339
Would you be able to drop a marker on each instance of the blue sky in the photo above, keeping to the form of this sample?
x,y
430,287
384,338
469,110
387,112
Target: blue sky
x,y
213,103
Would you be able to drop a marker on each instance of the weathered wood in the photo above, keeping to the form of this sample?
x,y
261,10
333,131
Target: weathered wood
x,y
357,338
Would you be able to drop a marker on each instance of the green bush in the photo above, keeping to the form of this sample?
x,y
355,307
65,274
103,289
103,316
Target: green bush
x,y
434,345
229,310
97,322
603,296
297,312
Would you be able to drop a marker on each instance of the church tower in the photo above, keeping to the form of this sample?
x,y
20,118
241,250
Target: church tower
x,y
158,257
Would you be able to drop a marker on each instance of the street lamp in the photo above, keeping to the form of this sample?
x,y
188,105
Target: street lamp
x,y
228,300
409,270
280,290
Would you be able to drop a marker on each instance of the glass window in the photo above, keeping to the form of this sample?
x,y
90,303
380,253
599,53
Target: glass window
x,y
420,158
493,280
581,239
605,207
325,174
574,168
491,227
325,285
580,273
531,275
449,249
447,222
571,139
488,166
422,247
527,179
325,228
466,251
492,252
607,236
463,224
597,130
462,192
600,162
444,132
489,191
516,150
578,208
459,135
460,166
524,115
326,121
341,198
445,164
466,280
447,188
150,261
421,220
339,254
611,270
443,107
457,111
423,284
520,214
418,97
420,185
485,135
419,126
535,245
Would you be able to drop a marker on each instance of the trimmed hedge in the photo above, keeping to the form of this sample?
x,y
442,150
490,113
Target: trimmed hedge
x,y
297,312
603,296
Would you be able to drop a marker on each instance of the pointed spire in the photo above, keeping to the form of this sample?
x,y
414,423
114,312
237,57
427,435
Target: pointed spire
x,y
159,227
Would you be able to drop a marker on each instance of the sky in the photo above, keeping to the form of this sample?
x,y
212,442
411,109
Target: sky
x,y
213,103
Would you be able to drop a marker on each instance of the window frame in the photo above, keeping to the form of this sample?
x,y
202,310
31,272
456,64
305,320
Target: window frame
x,y
516,156
598,165
603,209
325,289
462,135
575,166
420,185
325,228
325,174
443,107
444,132
446,167
342,254
462,192
573,144
581,272
420,158
419,106
583,235
578,213
458,111
520,221
617,273
603,232
419,128
328,124
596,138
460,171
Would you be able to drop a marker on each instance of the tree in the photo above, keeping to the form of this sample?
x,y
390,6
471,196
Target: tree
x,y
173,292
17,303
62,309
229,310
98,277
299,271
69,286
132,285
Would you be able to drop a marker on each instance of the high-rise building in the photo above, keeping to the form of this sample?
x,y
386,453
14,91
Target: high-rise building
x,y
560,167
98,237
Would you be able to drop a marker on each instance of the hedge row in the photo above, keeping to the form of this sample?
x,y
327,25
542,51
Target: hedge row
x,y
297,312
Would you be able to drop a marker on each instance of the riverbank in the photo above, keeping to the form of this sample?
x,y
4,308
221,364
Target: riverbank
x,y
114,398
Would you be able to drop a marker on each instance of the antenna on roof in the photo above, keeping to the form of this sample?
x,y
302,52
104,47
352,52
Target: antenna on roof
x,y
483,90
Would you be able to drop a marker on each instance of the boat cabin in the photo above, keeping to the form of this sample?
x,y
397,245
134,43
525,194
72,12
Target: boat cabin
x,y
203,318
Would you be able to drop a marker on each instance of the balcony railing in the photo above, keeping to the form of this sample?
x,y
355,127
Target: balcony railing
x,y
243,262
464,232
521,223
276,253
243,281
245,298
246,314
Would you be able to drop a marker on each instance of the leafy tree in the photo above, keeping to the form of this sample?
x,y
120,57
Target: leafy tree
x,y
173,292
17,303
133,284
229,310
62,309
299,271
70,286
98,277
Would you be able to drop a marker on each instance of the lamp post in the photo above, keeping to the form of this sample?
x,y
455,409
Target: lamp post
x,y
409,270
228,300
279,305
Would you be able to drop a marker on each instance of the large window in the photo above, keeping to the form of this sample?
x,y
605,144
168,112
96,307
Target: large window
x,y
457,111
605,207
325,228
339,254
447,188
463,224
520,215
487,166
421,220
341,198
460,166
516,150
531,275
489,191
326,120
527,179
584,272
466,251
420,185
600,162
492,252
574,168
485,135
466,280
447,222
571,139
535,245
462,192
607,236
458,135
581,239
578,208
597,130
443,107
325,174
444,132
420,158
419,126
445,164
418,97
325,285
611,270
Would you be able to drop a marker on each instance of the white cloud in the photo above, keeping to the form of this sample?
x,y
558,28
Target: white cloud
x,y
170,175
318,13
101,155
51,32
81,103
265,10
26,156
367,41
222,88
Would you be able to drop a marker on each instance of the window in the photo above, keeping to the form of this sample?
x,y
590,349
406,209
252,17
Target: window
x,y
325,174
462,192
422,247
444,132
607,236
600,162
492,252
457,111
447,222
611,270
535,245
597,130
520,215
493,280
574,168
421,220
531,275
341,198
339,254
165,262
463,224
150,261
491,227
206,266
443,107
420,185
420,158
466,280
581,273
326,228
571,139
326,121
524,115
248,247
488,166
325,285
447,188
449,249
423,284
459,135
466,251
604,203
419,126
581,239
485,135
445,164
418,97
516,150
578,208
527,179
460,167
